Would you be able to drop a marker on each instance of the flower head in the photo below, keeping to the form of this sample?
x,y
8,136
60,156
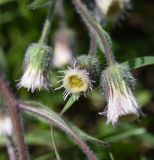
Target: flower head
x,y
5,126
75,82
112,9
78,79
63,51
36,68
121,100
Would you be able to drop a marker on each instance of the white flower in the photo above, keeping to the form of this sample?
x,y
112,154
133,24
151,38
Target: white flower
x,y
62,54
33,78
5,126
122,103
111,9
63,43
76,81
36,68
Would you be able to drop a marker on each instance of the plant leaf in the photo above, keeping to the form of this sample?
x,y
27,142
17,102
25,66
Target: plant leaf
x,y
69,103
140,62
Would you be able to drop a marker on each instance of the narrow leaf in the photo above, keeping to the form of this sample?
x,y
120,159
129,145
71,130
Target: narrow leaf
x,y
69,103
140,62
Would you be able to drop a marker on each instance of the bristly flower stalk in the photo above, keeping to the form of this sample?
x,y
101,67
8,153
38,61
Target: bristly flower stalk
x,y
37,59
115,82
91,23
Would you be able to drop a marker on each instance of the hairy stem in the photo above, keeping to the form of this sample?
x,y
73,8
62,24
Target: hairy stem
x,y
60,12
62,126
47,24
89,21
13,110
93,45
10,148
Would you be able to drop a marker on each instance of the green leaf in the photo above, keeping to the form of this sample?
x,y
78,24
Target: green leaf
x,y
3,63
69,103
86,137
54,145
140,62
125,134
57,121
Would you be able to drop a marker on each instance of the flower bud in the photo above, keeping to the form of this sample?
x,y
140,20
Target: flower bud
x,y
121,100
90,63
36,67
63,48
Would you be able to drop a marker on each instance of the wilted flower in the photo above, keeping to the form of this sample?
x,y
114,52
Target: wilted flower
x,y
63,50
111,9
5,126
36,67
121,101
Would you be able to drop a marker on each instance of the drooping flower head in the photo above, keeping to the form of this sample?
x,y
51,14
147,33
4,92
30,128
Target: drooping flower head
x,y
112,9
63,47
36,67
77,79
6,127
122,104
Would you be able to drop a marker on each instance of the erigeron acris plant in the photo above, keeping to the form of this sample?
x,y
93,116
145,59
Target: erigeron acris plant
x,y
80,78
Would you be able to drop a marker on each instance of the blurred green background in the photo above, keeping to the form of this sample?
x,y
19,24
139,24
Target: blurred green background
x,y
132,37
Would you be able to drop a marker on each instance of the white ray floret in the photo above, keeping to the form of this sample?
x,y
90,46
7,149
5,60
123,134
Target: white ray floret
x,y
122,103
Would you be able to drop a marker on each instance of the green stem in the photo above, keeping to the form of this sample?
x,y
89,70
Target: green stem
x,y
62,125
47,24
54,144
66,107
92,23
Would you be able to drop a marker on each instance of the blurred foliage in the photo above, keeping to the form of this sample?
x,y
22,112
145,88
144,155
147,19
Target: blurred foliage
x,y
132,37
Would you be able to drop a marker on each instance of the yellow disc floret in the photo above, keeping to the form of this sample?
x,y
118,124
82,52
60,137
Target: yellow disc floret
x,y
76,80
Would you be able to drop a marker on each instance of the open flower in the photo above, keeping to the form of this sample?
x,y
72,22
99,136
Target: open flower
x,y
75,82
78,79
122,104
36,68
